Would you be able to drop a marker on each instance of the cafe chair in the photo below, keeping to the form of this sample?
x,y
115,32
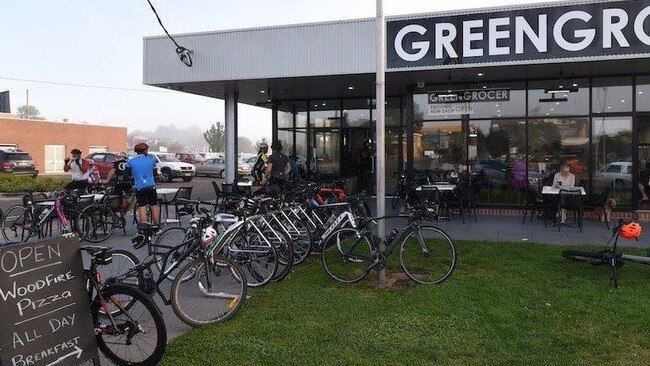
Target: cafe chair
x,y
571,201
600,203
534,204
180,209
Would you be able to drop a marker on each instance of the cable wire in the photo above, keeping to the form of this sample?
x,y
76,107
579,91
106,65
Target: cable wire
x,y
84,85
183,53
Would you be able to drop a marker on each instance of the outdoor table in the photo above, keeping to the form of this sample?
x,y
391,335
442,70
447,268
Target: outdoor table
x,y
163,192
554,191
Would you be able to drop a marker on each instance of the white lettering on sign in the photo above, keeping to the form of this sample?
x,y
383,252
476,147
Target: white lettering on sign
x,y
12,260
565,31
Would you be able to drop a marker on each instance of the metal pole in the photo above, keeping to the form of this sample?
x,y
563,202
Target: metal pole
x,y
27,105
380,131
230,130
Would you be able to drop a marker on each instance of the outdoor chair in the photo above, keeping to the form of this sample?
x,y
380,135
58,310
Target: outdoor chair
x,y
570,200
461,201
600,203
534,204
181,209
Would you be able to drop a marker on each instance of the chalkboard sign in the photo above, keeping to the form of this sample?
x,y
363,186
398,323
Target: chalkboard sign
x,y
44,305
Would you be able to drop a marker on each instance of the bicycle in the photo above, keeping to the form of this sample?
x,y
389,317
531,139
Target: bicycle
x,y
427,254
611,257
34,218
129,328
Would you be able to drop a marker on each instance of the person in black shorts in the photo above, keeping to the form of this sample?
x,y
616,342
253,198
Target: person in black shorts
x,y
122,180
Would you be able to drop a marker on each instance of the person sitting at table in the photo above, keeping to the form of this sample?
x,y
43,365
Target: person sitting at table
x,y
143,168
564,179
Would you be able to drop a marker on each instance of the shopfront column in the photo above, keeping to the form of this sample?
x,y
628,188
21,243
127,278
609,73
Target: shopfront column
x,y
230,131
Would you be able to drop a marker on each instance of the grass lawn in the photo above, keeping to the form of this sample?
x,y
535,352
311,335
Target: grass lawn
x,y
506,304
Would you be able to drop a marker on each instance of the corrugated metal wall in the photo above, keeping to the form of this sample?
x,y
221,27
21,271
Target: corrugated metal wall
x,y
334,48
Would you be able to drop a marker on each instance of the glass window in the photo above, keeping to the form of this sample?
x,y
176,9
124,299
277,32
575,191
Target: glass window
x,y
612,151
438,146
301,119
393,113
301,142
326,118
497,156
554,141
423,110
356,118
285,119
514,107
612,95
286,138
550,98
643,93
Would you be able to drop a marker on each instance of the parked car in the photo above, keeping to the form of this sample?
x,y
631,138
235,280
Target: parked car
x,y
493,170
17,162
250,161
170,167
191,158
104,162
217,167
618,173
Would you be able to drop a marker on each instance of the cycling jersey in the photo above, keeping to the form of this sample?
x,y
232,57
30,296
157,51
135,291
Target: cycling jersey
x,y
142,168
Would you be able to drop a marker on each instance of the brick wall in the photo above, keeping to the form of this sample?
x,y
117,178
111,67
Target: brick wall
x,y
33,135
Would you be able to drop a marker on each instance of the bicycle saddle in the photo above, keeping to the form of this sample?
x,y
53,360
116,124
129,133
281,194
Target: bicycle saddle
x,y
147,228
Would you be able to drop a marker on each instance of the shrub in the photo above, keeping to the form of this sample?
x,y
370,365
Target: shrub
x,y
10,183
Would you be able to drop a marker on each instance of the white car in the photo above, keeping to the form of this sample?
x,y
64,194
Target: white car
x,y
217,166
170,167
618,173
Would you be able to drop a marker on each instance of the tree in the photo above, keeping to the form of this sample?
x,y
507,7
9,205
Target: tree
x,y
29,112
215,137
245,145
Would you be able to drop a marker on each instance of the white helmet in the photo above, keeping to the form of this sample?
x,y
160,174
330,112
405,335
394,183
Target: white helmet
x,y
209,234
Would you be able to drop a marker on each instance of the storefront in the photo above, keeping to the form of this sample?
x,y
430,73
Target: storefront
x,y
502,96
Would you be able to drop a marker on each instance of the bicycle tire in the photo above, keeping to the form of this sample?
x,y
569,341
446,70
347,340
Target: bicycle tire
x,y
78,222
257,258
199,293
284,248
18,220
110,340
122,261
435,260
171,239
347,255
101,223
300,239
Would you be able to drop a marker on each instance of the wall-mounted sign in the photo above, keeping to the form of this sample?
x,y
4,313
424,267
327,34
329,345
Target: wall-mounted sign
x,y
450,109
469,96
598,29
44,305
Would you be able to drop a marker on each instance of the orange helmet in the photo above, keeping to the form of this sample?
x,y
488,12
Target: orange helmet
x,y
631,230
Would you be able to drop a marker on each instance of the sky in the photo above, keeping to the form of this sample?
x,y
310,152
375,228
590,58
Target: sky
x,y
99,43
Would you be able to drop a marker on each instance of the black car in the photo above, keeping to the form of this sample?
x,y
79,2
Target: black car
x,y
18,162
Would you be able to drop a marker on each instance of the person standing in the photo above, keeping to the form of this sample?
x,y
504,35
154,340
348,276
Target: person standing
x,y
278,167
260,162
77,166
123,179
143,168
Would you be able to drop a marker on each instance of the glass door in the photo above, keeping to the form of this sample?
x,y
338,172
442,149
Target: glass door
x,y
359,158
326,153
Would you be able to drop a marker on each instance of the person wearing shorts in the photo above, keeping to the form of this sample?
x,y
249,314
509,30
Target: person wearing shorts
x,y
123,180
143,168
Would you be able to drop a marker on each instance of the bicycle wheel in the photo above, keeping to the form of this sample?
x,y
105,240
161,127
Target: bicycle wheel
x,y
136,336
122,262
427,255
300,236
284,249
347,255
256,256
78,223
16,224
176,241
214,294
101,223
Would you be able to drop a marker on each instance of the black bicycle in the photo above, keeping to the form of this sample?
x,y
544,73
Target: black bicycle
x,y
129,328
427,254
612,257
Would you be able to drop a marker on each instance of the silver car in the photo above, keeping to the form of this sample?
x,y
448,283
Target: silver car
x,y
217,166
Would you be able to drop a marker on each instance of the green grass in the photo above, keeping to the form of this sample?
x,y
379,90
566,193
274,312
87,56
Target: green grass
x,y
506,304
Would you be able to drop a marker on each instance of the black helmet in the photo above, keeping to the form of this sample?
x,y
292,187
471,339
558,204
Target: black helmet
x,y
141,147
75,151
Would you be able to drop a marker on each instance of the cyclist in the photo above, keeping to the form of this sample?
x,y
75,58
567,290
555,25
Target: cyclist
x,y
92,175
77,166
123,179
143,168
278,168
258,167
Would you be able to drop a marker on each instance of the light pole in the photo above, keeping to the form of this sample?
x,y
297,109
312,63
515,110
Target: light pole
x,y
380,131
